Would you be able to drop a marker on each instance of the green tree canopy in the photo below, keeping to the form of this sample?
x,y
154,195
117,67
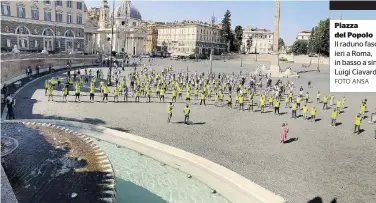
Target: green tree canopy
x,y
319,39
238,36
226,32
300,47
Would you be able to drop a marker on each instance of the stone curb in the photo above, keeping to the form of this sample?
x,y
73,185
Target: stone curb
x,y
229,184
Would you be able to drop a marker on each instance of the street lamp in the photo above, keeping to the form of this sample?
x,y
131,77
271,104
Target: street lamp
x,y
109,83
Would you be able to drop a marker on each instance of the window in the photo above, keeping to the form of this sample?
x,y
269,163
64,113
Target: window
x,y
46,1
47,15
21,12
69,4
79,20
36,44
79,5
35,14
8,43
59,17
59,3
69,19
78,45
5,10
134,24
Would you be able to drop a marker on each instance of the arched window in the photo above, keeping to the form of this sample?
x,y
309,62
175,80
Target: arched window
x,y
47,32
69,33
22,30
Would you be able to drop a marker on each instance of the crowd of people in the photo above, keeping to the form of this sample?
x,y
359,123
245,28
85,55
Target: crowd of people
x,y
243,91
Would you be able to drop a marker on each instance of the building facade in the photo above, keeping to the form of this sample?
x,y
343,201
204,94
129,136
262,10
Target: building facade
x,y
36,25
190,38
127,33
151,42
257,40
304,35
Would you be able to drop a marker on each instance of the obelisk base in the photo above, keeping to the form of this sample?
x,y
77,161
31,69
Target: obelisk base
x,y
275,69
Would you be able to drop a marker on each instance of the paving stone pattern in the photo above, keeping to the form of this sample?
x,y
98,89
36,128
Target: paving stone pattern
x,y
324,162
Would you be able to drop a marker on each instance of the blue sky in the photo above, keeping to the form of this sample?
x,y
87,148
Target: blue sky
x,y
295,15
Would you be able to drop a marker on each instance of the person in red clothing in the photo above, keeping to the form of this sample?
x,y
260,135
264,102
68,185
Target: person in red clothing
x,y
283,132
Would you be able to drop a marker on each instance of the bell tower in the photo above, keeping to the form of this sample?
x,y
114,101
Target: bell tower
x,y
104,14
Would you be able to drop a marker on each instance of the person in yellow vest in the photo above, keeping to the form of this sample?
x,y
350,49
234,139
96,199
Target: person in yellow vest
x,y
262,105
50,93
180,94
46,84
305,112
174,94
162,93
334,117
294,107
338,106
203,96
186,111
271,100
325,100
290,96
250,100
148,94
138,94
53,82
221,96
313,114
363,108
59,81
169,112
307,98
105,92
195,92
209,93
358,121
101,87
92,92
216,99
65,93
116,94
318,97
343,102
241,102
298,100
331,102
277,104
229,101
188,97
78,92
236,98
287,102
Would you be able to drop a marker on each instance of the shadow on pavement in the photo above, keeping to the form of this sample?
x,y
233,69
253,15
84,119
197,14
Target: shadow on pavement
x,y
319,200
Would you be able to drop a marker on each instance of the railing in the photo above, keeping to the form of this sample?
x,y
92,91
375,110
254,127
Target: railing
x,y
12,56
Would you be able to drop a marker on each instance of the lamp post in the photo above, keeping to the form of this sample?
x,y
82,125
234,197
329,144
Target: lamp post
x,y
241,57
256,47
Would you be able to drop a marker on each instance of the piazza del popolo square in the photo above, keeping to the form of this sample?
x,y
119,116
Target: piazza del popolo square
x,y
155,102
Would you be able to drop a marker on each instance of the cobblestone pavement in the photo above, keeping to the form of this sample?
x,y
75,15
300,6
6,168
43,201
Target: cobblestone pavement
x,y
324,162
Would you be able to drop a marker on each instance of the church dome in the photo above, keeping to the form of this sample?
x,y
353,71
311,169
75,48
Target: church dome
x,y
120,11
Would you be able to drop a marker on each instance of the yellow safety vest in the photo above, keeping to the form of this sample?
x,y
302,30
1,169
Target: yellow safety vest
x,y
186,111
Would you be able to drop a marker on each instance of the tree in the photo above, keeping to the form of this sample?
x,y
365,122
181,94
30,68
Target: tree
x,y
281,43
300,47
249,43
319,39
322,37
226,32
238,36
312,42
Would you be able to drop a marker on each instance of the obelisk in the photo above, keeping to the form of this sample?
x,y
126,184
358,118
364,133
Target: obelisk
x,y
274,67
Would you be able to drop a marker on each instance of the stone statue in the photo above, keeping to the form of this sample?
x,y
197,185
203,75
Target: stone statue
x,y
15,49
44,51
